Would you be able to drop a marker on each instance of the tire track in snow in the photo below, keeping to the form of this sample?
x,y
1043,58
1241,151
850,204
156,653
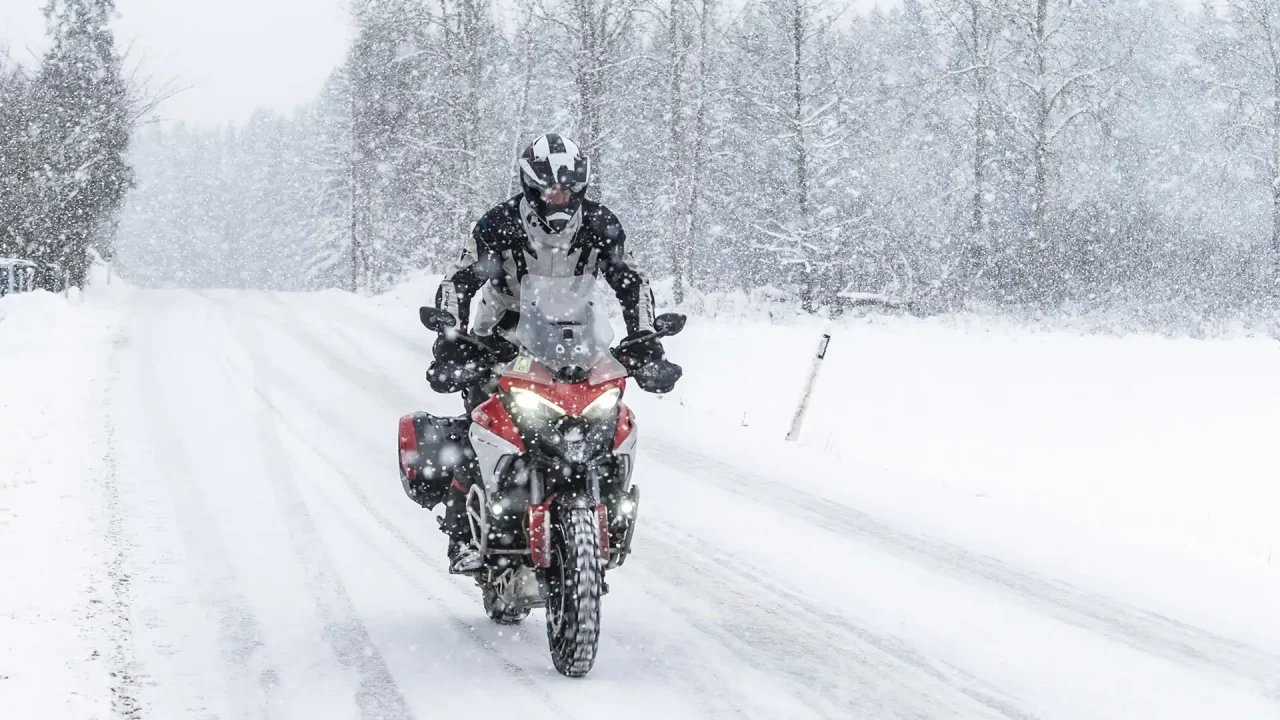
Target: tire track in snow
x,y
888,678
377,695
124,684
252,679
1140,629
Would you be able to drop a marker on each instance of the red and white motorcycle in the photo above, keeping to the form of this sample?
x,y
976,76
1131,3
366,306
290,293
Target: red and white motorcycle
x,y
554,446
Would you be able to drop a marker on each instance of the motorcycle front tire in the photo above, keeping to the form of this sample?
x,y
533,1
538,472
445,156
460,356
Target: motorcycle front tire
x,y
574,583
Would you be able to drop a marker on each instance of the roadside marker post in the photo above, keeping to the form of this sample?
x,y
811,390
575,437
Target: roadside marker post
x,y
797,422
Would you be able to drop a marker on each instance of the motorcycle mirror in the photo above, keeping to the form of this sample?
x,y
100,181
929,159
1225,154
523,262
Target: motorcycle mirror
x,y
669,323
435,319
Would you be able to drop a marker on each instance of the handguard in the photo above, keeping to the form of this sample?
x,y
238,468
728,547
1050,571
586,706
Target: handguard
x,y
658,377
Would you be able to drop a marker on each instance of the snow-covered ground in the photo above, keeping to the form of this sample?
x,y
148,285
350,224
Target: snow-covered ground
x,y
200,518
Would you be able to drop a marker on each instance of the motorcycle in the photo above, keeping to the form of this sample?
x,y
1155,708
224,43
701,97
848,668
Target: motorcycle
x,y
553,449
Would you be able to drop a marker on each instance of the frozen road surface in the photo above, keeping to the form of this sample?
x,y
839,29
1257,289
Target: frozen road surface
x,y
200,517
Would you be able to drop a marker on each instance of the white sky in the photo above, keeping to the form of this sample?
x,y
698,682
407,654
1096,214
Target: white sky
x,y
233,55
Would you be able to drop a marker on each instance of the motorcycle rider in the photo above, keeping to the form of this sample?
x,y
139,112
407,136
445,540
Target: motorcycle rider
x,y
550,229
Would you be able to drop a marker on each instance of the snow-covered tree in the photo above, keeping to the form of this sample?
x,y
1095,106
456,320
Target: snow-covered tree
x,y
15,158
970,41
331,256
594,39
1246,59
80,126
791,88
384,67
458,138
1063,78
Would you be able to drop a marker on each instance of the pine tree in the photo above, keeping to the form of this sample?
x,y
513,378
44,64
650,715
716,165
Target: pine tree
x,y
385,64
331,259
15,160
81,126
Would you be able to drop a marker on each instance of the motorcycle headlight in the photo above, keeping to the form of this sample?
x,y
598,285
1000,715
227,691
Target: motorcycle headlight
x,y
531,402
603,405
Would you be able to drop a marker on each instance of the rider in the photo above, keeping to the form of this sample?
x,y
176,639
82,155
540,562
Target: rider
x,y
549,229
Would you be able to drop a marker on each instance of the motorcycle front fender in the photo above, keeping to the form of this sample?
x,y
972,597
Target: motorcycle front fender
x,y
542,515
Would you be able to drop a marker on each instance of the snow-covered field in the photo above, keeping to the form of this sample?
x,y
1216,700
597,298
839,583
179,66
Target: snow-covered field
x,y
200,518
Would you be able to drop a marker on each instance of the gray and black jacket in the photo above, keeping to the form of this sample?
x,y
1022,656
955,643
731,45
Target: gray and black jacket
x,y
501,252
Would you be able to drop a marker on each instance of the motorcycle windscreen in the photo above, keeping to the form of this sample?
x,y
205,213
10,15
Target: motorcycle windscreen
x,y
562,324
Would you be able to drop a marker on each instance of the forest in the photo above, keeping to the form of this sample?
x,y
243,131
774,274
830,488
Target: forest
x,y
1002,156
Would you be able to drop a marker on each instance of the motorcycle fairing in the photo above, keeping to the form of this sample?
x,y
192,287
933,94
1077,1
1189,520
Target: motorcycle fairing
x,y
540,534
626,428
608,369
494,418
493,435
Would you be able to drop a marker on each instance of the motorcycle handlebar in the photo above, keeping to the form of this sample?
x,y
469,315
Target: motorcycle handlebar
x,y
441,321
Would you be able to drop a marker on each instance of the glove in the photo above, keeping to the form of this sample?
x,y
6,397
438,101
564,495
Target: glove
x,y
504,351
647,364
458,364
658,377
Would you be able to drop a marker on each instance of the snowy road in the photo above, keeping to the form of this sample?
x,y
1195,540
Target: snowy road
x,y
263,562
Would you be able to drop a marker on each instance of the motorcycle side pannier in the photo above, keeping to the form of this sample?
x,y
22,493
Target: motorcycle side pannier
x,y
432,450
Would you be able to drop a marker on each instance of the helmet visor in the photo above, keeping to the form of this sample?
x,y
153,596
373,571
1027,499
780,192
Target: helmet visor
x,y
557,197
544,173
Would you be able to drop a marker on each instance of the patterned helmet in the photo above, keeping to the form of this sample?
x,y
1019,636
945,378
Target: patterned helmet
x,y
554,174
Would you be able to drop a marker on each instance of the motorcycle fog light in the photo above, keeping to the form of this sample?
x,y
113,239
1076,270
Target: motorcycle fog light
x,y
626,507
497,508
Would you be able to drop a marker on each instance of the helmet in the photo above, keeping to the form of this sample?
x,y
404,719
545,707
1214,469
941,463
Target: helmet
x,y
554,174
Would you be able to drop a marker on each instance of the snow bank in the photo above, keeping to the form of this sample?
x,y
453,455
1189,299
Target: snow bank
x,y
55,593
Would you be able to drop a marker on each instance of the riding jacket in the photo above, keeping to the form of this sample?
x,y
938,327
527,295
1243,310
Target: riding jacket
x,y
508,242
